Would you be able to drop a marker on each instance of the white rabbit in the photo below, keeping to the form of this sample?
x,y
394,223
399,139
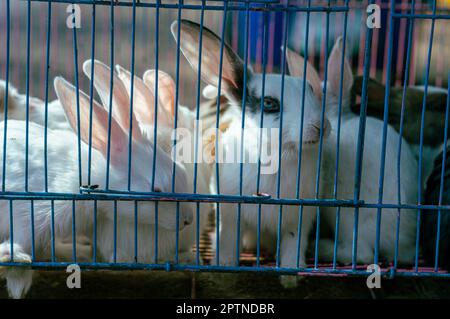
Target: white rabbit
x,y
63,177
17,105
232,87
56,119
370,172
143,108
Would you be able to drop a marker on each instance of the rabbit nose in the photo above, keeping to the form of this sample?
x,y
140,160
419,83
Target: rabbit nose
x,y
317,127
326,127
313,131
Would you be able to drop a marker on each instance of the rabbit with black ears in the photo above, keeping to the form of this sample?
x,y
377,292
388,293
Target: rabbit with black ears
x,y
371,164
63,177
313,128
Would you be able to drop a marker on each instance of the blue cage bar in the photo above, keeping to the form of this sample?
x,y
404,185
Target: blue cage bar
x,y
290,10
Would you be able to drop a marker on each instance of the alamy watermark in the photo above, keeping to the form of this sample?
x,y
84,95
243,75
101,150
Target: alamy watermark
x,y
373,16
74,279
248,146
374,279
74,18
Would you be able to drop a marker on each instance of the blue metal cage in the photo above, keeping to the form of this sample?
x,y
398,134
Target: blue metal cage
x,y
255,29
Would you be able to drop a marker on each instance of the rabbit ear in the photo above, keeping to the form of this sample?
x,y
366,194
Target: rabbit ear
x,y
166,89
120,97
144,105
67,95
232,66
296,64
334,70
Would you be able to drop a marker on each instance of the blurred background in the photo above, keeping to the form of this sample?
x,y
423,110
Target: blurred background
x,y
62,41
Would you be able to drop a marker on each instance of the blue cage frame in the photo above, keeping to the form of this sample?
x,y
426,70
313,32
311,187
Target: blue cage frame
x,y
88,193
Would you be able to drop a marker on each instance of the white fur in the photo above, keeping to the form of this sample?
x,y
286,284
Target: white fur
x,y
17,106
143,99
370,177
369,193
229,173
63,177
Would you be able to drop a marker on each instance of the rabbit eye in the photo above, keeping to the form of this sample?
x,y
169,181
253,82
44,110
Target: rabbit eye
x,y
271,105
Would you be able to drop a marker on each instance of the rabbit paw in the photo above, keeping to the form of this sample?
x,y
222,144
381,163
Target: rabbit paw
x,y
19,256
18,279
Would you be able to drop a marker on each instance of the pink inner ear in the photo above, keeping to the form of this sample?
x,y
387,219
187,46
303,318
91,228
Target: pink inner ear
x,y
166,93
143,98
211,64
296,65
119,140
210,60
334,69
121,100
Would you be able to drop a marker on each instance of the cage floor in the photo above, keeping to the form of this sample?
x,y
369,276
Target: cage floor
x,y
249,258
160,284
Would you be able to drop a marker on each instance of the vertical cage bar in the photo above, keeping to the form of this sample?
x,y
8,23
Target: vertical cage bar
x,y
27,101
74,233
222,44
177,234
422,124
95,232
175,125
136,232
11,229
243,105
130,133
33,243
196,136
322,121
115,232
280,136
441,186
265,39
302,117
338,137
156,232
91,95
47,71
158,3
77,86
400,138
5,118
361,137
155,130
111,89
52,211
385,126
